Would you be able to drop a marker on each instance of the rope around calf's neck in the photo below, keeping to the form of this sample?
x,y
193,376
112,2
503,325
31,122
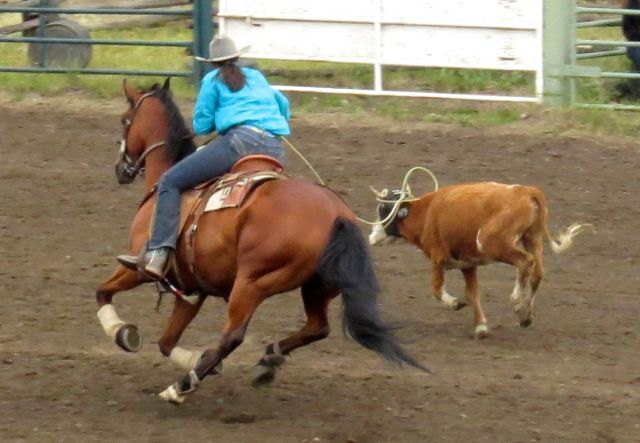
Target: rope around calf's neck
x,y
405,190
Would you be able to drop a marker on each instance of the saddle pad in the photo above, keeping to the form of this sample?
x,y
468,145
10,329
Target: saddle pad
x,y
232,195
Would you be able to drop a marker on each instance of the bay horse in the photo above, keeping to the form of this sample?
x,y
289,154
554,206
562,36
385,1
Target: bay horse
x,y
288,234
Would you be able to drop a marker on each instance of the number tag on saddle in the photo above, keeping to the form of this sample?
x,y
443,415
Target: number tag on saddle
x,y
231,192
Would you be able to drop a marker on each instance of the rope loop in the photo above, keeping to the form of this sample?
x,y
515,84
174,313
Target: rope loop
x,y
405,190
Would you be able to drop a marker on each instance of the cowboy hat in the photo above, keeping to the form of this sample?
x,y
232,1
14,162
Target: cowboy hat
x,y
222,48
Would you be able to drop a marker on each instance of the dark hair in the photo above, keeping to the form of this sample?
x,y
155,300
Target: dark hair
x,y
231,74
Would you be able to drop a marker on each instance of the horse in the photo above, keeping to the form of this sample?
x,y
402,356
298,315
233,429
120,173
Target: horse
x,y
289,233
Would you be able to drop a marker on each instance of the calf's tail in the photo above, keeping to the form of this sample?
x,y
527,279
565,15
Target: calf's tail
x,y
565,238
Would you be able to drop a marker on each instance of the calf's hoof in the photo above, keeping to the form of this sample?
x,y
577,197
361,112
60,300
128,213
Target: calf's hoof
x,y
525,323
457,305
482,331
128,338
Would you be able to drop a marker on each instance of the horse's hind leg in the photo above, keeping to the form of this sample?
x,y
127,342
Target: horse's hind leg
x,y
124,334
316,300
243,301
183,313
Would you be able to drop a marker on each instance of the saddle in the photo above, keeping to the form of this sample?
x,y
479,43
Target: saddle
x,y
229,191
232,189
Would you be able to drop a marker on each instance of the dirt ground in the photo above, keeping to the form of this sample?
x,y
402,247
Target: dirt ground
x,y
574,375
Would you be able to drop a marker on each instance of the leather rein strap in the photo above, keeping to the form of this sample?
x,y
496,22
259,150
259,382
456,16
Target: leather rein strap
x,y
134,168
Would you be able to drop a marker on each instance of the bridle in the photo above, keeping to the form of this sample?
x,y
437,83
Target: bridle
x,y
126,167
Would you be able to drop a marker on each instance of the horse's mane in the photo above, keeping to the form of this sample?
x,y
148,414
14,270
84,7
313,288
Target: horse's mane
x,y
179,142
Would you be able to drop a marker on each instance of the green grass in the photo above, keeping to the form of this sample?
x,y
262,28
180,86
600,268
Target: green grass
x,y
593,90
103,56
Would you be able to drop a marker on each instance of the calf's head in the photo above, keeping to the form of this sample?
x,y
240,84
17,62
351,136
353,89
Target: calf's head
x,y
390,214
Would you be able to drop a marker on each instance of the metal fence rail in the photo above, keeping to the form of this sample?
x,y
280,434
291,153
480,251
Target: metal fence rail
x,y
202,33
594,71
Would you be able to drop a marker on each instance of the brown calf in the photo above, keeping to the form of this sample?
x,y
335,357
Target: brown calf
x,y
468,225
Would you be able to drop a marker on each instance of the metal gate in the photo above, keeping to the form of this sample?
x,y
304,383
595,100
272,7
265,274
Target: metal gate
x,y
478,34
569,58
202,33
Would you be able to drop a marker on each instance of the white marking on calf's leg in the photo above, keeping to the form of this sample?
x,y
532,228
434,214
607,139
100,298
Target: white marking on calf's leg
x,y
482,330
449,300
522,299
478,242
109,320
517,292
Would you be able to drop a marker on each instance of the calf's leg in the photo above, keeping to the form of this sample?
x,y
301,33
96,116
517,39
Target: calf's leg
x,y
439,292
471,291
504,249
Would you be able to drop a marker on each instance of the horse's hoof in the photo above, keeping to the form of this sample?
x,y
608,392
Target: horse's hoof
x,y
263,375
128,338
171,395
525,323
482,331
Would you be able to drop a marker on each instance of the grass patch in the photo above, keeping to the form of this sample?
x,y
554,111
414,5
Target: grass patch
x,y
103,56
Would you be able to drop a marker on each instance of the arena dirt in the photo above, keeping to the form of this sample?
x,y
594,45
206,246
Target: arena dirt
x,y
574,375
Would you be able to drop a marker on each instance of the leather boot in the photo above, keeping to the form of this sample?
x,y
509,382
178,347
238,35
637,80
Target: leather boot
x,y
155,262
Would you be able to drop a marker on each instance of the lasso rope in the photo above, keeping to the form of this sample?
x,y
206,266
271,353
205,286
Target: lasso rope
x,y
405,190
293,148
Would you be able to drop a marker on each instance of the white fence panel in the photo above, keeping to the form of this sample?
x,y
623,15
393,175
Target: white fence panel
x,y
479,34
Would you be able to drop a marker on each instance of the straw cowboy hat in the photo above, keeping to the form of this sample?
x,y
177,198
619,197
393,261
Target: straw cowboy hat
x,y
223,48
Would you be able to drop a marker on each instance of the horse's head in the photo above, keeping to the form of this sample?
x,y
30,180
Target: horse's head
x,y
151,121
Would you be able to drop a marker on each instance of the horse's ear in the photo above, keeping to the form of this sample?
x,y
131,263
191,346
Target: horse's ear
x,y
130,92
167,84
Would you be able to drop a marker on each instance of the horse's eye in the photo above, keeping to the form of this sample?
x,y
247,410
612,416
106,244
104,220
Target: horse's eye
x,y
125,121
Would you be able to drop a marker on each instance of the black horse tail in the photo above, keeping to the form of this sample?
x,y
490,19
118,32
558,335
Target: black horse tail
x,y
346,264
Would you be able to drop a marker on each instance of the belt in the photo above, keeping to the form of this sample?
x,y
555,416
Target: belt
x,y
258,130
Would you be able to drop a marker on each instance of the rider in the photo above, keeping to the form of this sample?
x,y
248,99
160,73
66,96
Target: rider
x,y
248,115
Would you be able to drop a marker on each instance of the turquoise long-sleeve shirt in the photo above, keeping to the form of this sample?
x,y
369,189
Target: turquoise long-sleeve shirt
x,y
256,104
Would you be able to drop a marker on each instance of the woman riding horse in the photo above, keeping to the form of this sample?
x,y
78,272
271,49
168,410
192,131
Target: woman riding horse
x,y
288,233
248,115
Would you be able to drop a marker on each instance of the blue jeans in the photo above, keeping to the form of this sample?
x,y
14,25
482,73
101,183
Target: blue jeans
x,y
212,161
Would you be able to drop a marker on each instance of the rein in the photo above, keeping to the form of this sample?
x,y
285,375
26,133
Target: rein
x,y
130,167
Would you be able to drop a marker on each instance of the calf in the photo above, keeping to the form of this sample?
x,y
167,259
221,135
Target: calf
x,y
468,225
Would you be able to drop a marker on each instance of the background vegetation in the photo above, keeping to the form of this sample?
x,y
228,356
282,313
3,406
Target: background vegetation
x,y
338,75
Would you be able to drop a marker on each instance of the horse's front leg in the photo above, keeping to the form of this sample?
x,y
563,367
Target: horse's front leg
x,y
125,335
183,313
